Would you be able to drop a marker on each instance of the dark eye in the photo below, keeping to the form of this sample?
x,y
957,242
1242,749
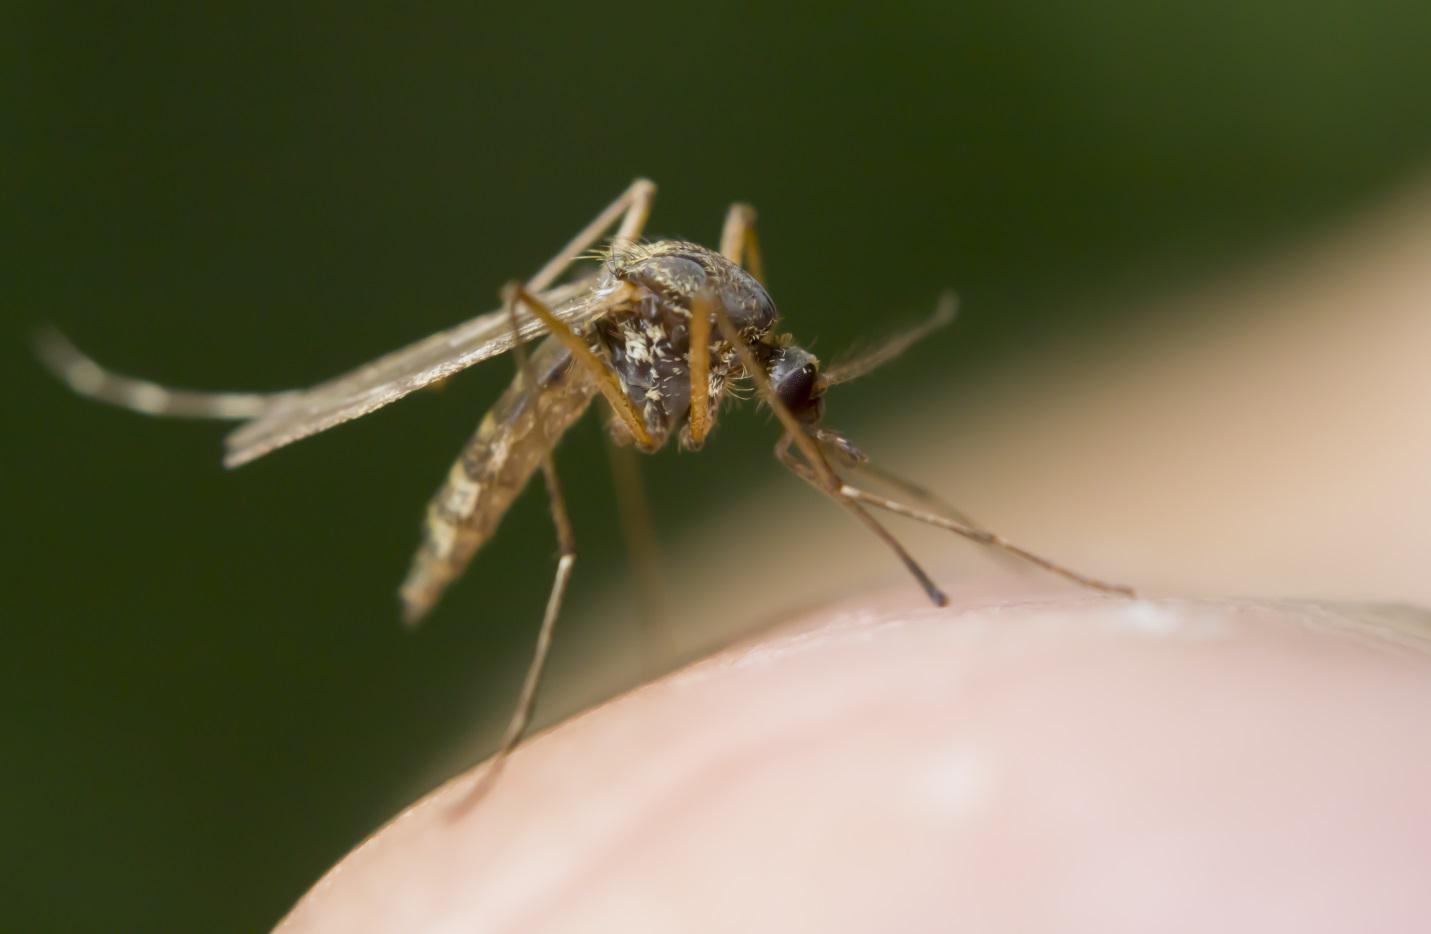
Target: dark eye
x,y
796,389
795,386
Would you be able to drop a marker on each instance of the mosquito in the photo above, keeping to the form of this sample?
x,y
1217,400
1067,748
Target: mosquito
x,y
664,331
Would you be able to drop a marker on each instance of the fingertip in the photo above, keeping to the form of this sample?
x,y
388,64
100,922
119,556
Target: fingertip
x,y
1124,758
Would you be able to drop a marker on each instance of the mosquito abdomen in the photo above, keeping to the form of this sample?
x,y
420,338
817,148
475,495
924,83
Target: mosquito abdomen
x,y
494,467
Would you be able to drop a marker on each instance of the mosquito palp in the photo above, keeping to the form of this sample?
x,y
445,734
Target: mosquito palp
x,y
845,370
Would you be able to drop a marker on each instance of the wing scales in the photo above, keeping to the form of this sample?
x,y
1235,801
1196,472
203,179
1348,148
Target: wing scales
x,y
296,415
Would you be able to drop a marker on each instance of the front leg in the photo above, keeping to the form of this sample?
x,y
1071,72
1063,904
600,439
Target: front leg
x,y
738,244
698,419
817,470
586,358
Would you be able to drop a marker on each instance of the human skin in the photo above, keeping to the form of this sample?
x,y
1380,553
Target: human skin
x,y
1026,760
1016,762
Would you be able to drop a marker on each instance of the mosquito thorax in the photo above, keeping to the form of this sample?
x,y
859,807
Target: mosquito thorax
x,y
673,272
649,342
794,374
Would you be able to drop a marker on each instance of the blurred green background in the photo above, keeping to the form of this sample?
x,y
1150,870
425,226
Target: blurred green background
x,y
206,696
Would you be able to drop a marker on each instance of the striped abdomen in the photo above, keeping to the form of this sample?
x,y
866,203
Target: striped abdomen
x,y
494,467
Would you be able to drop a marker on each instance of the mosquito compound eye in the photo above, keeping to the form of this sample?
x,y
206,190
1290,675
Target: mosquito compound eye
x,y
798,385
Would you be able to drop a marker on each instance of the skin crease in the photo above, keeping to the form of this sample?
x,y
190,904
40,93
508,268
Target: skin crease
x,y
1031,758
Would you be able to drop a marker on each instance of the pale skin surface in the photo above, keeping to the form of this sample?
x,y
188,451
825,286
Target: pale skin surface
x,y
1066,763
1029,759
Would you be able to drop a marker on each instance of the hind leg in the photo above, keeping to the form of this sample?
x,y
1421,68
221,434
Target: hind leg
x,y
566,560
89,379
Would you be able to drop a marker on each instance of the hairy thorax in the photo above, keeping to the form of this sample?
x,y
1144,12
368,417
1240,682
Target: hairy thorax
x,y
647,340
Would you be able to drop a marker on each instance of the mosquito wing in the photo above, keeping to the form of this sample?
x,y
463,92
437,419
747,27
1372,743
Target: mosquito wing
x,y
296,415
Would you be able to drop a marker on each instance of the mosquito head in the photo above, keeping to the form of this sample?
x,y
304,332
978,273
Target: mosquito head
x,y
795,376
798,381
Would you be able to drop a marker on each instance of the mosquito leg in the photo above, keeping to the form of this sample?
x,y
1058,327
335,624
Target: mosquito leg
x,y
698,419
89,379
632,207
983,537
816,469
566,560
738,242
796,431
928,497
784,455
909,488
641,544
584,356
739,245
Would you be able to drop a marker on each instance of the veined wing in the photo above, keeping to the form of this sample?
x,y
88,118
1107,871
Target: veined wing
x,y
298,414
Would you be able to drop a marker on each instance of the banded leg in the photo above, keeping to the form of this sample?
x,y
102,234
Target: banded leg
x,y
859,462
632,207
584,356
983,537
786,458
953,521
87,378
817,470
566,560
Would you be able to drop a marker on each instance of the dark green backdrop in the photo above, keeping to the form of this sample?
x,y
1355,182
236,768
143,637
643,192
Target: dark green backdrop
x,y
206,696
